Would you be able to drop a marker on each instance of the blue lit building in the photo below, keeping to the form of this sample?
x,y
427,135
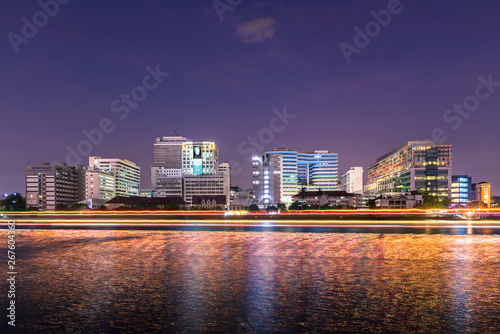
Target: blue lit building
x,y
312,170
461,190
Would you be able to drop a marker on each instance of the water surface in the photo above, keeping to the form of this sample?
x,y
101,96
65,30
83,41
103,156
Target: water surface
x,y
87,281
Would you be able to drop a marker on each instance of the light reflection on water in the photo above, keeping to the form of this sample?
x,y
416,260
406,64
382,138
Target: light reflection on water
x,y
193,282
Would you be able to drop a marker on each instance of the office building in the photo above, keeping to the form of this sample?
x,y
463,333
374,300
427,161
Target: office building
x,y
200,158
166,182
100,186
168,152
461,190
417,165
166,175
48,186
352,180
224,167
205,185
126,173
313,171
483,193
267,181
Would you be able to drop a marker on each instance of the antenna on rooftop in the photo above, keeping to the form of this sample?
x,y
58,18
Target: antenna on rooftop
x,y
175,131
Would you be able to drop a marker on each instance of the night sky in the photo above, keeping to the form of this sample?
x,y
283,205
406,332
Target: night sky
x,y
227,76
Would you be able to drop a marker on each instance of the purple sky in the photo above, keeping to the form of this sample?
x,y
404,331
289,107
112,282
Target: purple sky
x,y
226,77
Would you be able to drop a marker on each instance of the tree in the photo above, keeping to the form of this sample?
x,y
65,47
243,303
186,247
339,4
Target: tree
x,y
253,208
14,202
435,202
295,206
61,207
281,206
236,189
146,206
171,206
271,208
79,207
476,205
371,203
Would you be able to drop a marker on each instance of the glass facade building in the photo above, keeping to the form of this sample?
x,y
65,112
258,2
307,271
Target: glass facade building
x,y
461,190
295,170
417,165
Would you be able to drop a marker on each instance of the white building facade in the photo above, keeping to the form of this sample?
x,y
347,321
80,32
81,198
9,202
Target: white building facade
x,y
352,180
126,173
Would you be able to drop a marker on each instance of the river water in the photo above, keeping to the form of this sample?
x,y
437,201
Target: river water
x,y
88,281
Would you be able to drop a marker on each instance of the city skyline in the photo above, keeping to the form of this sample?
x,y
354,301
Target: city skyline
x,y
228,80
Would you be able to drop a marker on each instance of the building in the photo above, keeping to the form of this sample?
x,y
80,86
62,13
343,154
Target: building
x,y
294,171
166,175
417,165
200,158
168,152
326,199
401,201
133,201
200,171
214,202
352,180
126,173
166,182
225,167
267,182
100,187
483,193
241,201
48,186
205,185
461,190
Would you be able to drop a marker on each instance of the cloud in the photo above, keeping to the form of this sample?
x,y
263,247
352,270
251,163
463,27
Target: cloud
x,y
257,30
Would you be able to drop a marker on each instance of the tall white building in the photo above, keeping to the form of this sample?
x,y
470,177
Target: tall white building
x,y
168,152
126,173
352,180
225,167
312,170
267,180
200,158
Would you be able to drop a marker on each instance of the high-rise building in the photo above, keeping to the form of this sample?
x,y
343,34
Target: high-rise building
x,y
352,180
310,170
461,189
168,152
166,175
483,193
48,186
126,173
417,165
200,158
225,167
267,181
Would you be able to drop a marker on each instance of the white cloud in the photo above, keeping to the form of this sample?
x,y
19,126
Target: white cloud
x,y
257,30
